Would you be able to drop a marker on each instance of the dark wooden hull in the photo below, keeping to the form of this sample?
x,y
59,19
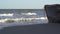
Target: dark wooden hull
x,y
53,13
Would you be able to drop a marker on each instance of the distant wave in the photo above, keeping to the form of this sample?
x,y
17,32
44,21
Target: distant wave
x,y
11,14
29,13
7,14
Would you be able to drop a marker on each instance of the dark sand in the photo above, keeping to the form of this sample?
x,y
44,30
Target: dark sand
x,y
32,29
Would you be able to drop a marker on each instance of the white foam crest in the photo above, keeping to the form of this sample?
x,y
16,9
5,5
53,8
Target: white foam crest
x,y
7,14
29,13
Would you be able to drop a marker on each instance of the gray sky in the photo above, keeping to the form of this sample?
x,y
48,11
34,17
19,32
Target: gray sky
x,y
26,4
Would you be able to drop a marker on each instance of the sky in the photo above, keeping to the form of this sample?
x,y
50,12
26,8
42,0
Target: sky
x,y
26,4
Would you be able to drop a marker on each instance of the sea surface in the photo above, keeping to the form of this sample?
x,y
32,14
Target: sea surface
x,y
22,13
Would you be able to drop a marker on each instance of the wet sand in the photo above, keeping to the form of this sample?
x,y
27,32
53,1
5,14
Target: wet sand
x,y
50,28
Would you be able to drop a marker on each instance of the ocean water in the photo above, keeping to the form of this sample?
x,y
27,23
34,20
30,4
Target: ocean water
x,y
22,13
